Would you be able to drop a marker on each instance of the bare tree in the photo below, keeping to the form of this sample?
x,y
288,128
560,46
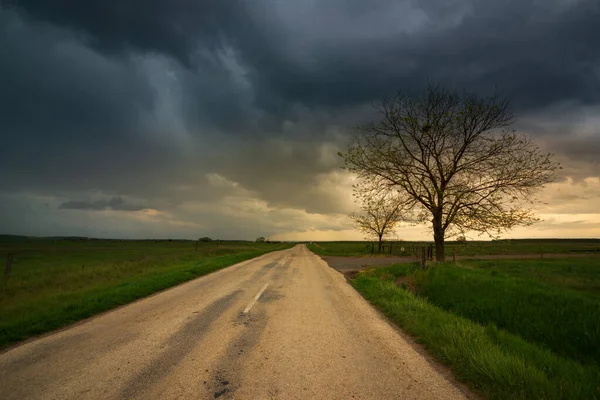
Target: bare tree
x,y
452,156
379,215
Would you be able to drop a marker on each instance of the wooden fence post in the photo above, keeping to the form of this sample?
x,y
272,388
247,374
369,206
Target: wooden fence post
x,y
9,259
423,259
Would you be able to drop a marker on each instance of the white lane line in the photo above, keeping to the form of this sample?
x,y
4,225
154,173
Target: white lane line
x,y
249,307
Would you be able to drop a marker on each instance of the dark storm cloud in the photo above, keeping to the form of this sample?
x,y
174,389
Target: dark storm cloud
x,y
147,99
116,203
537,53
172,26
74,119
537,57
66,111
47,74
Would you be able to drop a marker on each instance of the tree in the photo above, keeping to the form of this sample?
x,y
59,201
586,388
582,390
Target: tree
x,y
205,239
260,239
379,215
453,157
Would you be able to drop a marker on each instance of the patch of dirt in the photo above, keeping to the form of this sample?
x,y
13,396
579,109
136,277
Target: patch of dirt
x,y
344,264
351,274
409,281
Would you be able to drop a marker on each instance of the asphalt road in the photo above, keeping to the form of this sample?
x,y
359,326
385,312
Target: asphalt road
x,y
309,335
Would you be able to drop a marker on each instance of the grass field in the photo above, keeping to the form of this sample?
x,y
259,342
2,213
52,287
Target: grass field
x,y
470,248
519,329
58,282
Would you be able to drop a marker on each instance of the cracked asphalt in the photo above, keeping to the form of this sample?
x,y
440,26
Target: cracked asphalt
x,y
310,335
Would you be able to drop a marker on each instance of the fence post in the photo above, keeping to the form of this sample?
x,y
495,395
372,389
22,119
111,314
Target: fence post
x,y
8,266
423,259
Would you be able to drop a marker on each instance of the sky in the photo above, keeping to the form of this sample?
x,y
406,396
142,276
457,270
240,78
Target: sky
x,y
183,119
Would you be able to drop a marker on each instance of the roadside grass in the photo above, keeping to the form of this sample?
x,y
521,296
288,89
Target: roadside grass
x,y
57,282
563,320
470,248
492,361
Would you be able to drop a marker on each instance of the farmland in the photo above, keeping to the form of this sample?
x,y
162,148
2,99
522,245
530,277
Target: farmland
x,y
518,329
55,282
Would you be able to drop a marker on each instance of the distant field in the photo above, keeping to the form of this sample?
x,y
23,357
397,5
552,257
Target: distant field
x,y
519,329
57,282
470,248
581,274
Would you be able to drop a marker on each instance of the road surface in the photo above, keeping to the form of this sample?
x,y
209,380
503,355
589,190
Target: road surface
x,y
281,326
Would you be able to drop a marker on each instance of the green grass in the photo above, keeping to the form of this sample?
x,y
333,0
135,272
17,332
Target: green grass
x,y
492,361
518,329
581,274
470,248
563,320
57,282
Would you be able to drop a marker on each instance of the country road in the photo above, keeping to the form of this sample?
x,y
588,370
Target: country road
x,y
283,326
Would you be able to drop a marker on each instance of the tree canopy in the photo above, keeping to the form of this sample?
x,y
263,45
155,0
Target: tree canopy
x,y
379,215
454,160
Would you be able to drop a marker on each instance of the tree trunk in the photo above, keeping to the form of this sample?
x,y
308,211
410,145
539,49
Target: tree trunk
x,y
438,237
440,253
8,266
380,243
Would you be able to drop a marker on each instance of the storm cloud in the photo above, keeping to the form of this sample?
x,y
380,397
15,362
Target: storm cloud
x,y
116,203
200,116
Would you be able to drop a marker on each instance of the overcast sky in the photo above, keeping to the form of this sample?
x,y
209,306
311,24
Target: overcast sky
x,y
182,118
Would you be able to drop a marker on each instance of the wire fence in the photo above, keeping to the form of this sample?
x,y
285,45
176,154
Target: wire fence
x,y
402,249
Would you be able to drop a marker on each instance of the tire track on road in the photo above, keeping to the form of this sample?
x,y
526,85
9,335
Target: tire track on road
x,y
178,346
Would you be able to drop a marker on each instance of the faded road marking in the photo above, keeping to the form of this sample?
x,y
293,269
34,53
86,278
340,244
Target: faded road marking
x,y
249,307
